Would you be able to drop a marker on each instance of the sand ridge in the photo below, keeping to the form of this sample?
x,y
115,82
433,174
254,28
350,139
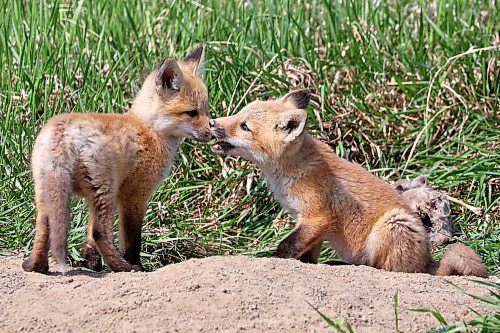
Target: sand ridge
x,y
227,294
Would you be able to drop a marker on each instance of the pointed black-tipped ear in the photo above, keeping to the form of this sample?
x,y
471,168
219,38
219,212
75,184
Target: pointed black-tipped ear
x,y
169,77
292,123
298,99
196,61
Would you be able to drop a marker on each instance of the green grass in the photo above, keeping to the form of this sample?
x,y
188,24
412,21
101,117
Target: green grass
x,y
484,323
384,79
340,326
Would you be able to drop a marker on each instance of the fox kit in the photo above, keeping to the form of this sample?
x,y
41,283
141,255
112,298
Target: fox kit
x,y
364,219
115,161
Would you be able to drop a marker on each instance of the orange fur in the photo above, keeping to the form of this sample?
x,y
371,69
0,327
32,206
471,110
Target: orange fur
x,y
114,161
364,219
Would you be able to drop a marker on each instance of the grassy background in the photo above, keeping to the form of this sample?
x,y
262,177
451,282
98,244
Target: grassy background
x,y
384,76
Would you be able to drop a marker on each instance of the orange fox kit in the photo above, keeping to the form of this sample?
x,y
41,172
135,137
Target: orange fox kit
x,y
114,161
364,219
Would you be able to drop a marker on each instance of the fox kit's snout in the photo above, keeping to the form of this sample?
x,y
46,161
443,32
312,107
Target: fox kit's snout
x,y
263,130
114,161
364,219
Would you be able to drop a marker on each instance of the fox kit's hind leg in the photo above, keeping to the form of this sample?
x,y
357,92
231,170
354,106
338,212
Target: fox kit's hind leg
x,y
131,212
303,239
398,242
38,260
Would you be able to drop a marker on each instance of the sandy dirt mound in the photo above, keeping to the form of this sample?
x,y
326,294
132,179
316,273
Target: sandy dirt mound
x,y
230,294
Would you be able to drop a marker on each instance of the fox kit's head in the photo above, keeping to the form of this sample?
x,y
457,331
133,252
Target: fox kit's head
x,y
174,99
263,130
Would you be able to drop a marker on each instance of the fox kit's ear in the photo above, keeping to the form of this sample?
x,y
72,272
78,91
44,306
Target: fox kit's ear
x,y
292,123
169,77
298,99
196,61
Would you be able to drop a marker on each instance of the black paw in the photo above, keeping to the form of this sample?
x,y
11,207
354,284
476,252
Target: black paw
x,y
92,257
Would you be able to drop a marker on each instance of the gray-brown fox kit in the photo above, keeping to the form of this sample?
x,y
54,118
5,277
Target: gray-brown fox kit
x,y
115,161
365,220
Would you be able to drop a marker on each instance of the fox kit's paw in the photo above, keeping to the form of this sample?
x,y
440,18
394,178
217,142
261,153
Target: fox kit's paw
x,y
92,257
29,265
128,268
281,255
137,268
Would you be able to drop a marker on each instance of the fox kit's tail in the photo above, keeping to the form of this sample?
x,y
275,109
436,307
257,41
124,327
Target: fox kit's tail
x,y
460,260
59,216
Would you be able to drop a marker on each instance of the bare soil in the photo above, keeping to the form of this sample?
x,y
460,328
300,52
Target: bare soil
x,y
227,294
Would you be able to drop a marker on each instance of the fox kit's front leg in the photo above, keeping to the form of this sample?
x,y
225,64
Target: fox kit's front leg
x,y
131,213
92,257
305,241
311,256
103,207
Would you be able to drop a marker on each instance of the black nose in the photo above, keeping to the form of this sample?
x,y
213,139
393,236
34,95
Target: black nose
x,y
211,122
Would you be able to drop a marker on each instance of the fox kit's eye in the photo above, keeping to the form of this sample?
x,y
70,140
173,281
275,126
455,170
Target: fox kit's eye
x,y
245,127
192,113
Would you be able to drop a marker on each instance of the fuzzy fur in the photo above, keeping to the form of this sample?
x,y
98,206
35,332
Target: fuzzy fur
x,y
365,220
114,161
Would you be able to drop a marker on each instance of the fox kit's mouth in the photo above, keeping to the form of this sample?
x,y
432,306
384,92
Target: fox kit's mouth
x,y
220,147
202,136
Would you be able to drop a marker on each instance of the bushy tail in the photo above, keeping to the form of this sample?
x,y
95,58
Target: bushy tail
x,y
59,216
460,260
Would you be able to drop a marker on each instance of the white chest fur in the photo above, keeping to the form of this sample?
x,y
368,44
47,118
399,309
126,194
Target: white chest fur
x,y
172,147
280,185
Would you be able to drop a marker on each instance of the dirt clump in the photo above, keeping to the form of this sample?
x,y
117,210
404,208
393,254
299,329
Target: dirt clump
x,y
227,294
